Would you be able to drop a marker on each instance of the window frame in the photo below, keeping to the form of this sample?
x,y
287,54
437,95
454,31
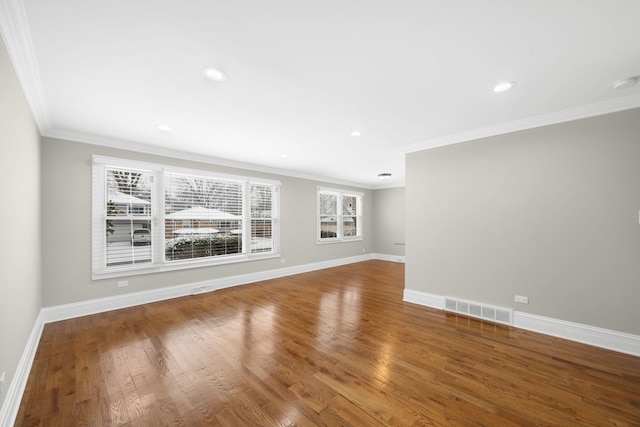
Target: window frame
x,y
158,263
340,195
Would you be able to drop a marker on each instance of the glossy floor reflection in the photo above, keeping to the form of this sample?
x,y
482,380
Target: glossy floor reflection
x,y
331,347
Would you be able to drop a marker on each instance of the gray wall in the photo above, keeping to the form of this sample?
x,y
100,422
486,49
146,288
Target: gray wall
x,y
549,213
20,291
66,234
388,221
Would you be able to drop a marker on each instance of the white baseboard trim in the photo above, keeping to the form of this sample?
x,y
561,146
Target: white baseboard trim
x,y
100,305
599,337
423,298
392,258
9,410
592,335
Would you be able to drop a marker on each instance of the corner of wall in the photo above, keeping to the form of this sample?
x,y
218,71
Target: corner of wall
x,y
9,410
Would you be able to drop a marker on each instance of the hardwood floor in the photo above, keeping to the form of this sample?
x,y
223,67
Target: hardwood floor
x,y
332,347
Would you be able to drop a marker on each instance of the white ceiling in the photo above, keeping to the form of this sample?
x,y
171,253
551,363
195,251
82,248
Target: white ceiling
x,y
409,74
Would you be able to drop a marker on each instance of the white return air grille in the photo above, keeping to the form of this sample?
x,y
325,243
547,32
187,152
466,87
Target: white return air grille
x,y
481,311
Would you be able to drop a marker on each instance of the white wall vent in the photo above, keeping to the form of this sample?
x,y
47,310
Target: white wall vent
x,y
481,311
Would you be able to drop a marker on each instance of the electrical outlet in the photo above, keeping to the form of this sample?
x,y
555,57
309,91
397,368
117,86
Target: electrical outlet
x,y
2,378
123,283
521,299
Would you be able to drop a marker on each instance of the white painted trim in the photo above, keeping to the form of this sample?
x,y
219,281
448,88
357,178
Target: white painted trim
x,y
100,305
17,38
9,410
585,334
592,335
613,340
423,298
392,258
103,141
582,112
14,28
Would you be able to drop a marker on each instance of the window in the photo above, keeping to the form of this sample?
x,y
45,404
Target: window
x,y
339,215
149,217
127,210
209,212
262,217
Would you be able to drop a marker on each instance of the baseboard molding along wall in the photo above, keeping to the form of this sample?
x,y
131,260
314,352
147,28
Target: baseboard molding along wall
x,y
9,409
85,308
604,338
599,337
392,258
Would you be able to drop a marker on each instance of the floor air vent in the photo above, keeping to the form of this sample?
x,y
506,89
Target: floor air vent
x,y
481,311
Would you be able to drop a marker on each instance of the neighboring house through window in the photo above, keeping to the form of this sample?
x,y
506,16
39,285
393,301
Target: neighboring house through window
x,y
149,217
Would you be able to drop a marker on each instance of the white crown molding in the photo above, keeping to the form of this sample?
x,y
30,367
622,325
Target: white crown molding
x,y
17,38
14,28
400,184
585,334
567,115
138,147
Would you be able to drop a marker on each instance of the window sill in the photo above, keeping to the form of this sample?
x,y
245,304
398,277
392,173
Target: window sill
x,y
179,265
337,240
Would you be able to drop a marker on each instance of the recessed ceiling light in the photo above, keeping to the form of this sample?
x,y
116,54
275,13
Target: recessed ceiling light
x,y
284,156
165,128
214,74
625,83
385,175
504,86
356,133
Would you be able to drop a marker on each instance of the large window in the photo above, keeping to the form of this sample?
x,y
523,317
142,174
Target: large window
x,y
339,215
149,217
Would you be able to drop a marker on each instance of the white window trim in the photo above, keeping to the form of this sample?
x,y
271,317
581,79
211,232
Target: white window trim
x,y
157,264
359,214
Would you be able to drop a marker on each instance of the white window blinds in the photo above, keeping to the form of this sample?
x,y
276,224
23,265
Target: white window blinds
x,y
150,217
128,209
264,227
203,217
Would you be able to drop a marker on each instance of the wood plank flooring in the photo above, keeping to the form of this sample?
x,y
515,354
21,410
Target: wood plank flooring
x,y
336,347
